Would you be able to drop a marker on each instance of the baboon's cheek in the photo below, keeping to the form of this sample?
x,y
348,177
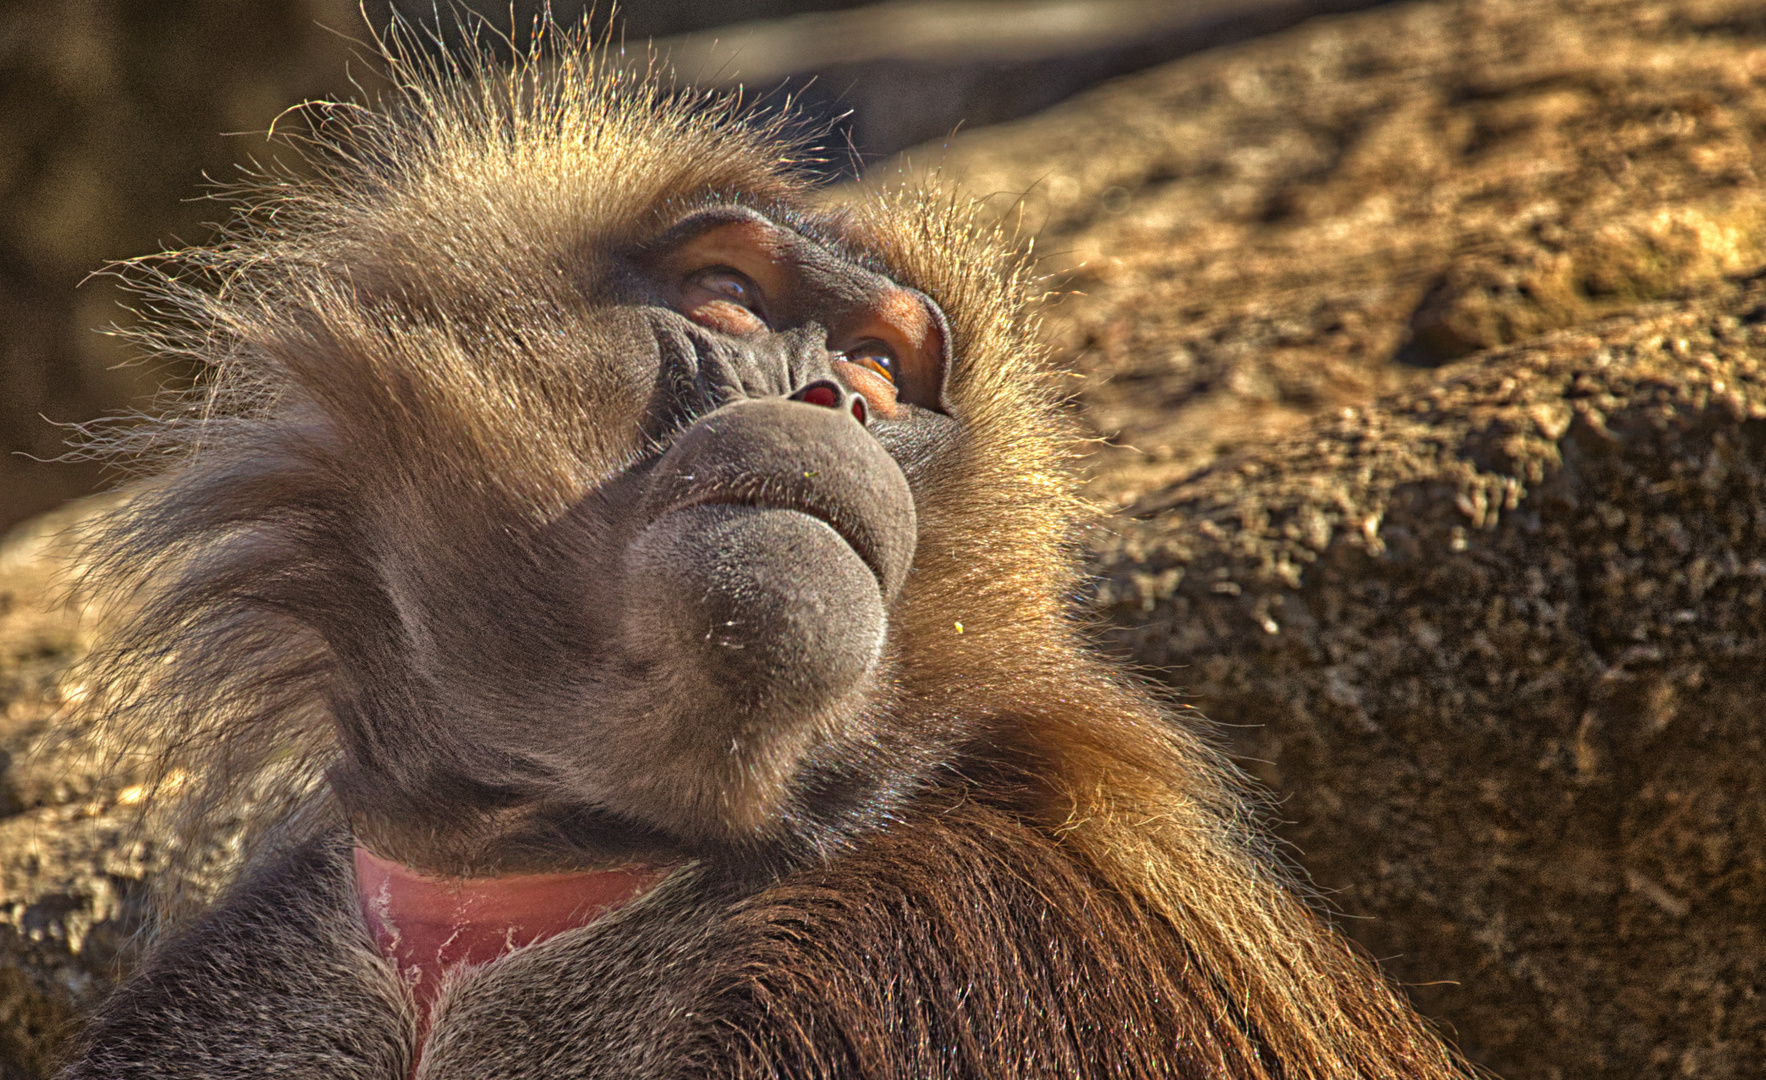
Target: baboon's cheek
x,y
751,606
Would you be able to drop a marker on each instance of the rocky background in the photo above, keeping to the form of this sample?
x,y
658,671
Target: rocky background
x,y
1423,351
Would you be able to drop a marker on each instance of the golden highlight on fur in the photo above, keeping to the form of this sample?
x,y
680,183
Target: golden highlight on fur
x,y
409,379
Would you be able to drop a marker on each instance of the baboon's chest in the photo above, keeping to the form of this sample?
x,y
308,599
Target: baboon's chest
x,y
429,926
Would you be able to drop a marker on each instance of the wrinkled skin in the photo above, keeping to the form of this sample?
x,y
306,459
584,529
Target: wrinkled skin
x,y
732,621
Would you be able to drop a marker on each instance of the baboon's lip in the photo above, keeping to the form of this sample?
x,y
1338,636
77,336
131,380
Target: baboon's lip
x,y
758,495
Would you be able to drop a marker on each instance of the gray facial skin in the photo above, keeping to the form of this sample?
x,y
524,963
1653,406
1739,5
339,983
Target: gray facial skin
x,y
720,605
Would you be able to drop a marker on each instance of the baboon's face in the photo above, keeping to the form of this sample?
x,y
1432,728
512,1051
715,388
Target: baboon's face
x,y
707,646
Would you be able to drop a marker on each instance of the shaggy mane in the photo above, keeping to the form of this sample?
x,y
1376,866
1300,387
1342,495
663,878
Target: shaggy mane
x,y
382,348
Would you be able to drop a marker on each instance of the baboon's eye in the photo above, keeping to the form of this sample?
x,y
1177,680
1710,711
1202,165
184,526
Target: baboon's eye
x,y
877,356
730,284
892,349
725,299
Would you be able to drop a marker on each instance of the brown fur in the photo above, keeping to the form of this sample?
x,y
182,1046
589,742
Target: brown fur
x,y
410,382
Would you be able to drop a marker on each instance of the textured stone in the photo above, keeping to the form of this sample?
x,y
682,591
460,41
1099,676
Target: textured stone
x,y
71,862
879,78
1265,231
1497,646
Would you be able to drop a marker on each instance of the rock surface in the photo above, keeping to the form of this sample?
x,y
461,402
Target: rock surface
x,y
71,864
1497,646
880,78
1272,230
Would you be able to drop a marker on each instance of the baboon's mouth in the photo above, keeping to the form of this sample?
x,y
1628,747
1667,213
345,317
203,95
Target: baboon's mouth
x,y
761,457
809,504
426,925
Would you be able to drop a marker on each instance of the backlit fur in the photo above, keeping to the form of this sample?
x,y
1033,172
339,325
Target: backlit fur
x,y
401,385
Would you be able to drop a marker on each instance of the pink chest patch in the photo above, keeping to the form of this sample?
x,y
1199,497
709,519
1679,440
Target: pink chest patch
x,y
426,925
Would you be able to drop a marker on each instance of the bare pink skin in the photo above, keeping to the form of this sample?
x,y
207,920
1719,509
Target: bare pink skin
x,y
427,926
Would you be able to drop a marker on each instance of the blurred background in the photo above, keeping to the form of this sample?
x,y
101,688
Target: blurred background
x,y
116,116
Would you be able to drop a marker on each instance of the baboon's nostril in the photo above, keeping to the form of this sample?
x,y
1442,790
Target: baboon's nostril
x,y
831,395
821,392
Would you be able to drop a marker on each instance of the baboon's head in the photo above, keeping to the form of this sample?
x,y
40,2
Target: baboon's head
x,y
622,499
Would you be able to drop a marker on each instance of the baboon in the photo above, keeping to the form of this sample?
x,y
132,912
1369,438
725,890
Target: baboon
x,y
640,588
